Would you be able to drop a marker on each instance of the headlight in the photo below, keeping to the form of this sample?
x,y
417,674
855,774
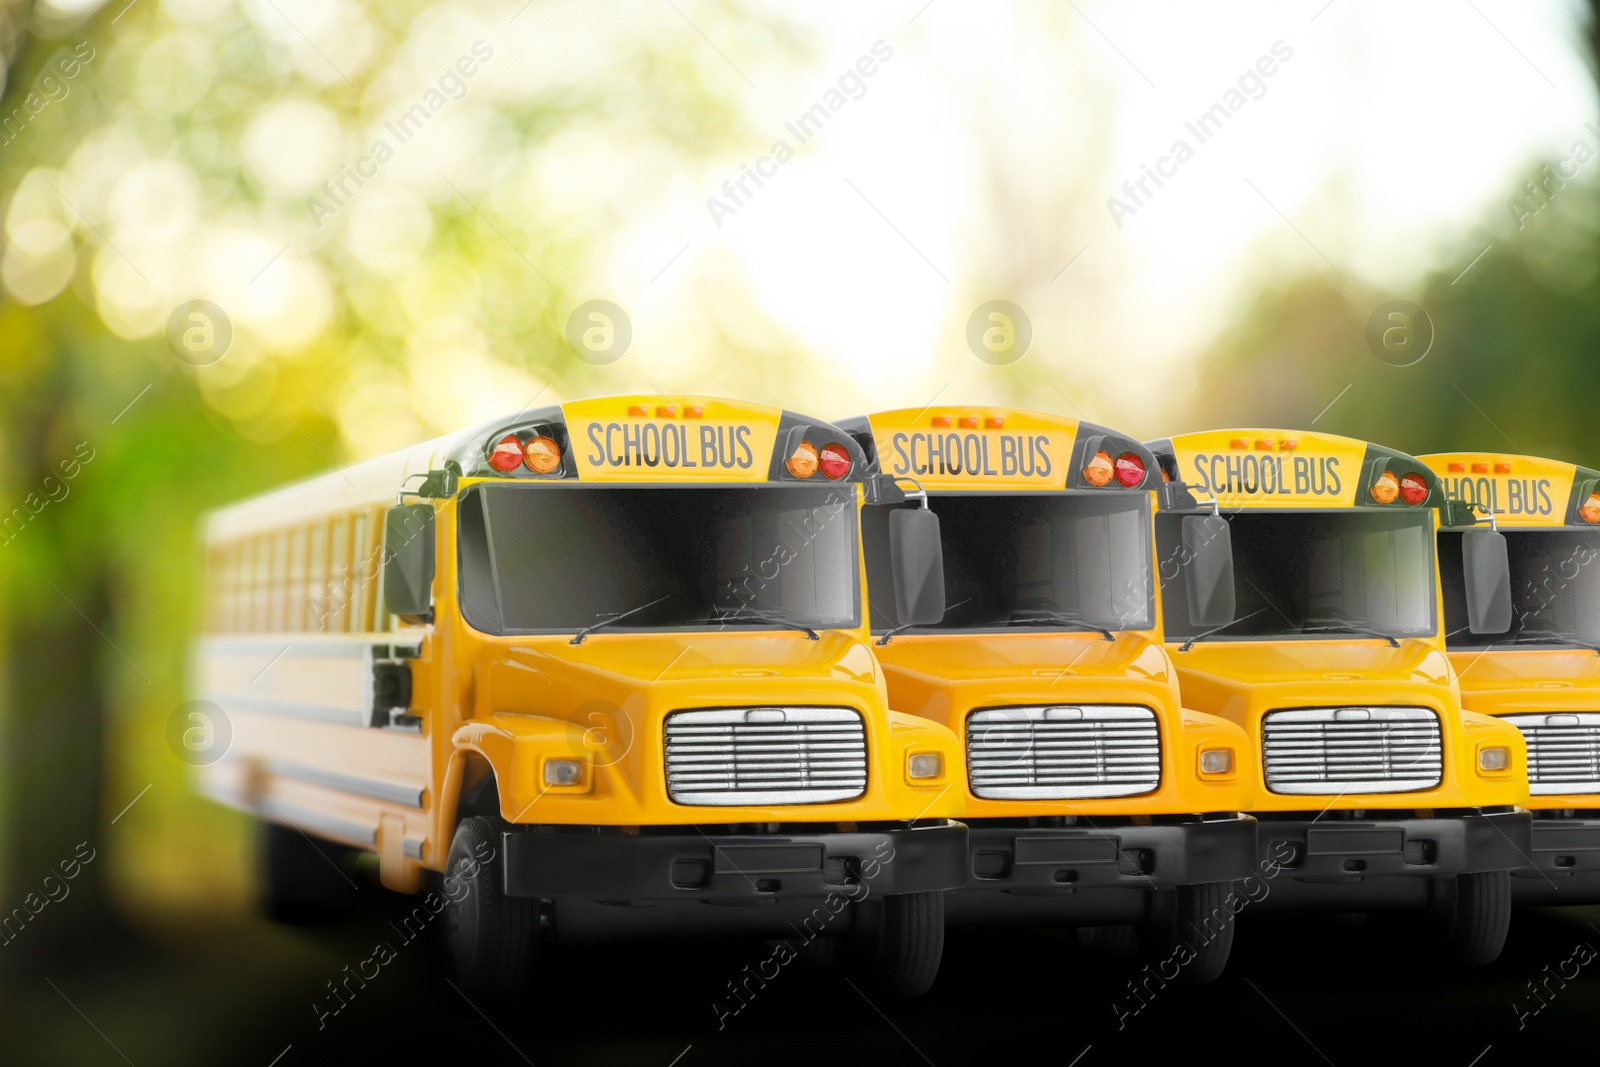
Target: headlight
x,y
563,772
1497,758
1216,760
923,765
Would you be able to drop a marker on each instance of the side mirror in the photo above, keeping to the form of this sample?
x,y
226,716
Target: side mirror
x,y
1208,576
408,560
1488,581
917,558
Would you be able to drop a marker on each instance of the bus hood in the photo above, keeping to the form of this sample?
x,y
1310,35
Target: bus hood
x,y
1529,679
549,675
941,676
1243,679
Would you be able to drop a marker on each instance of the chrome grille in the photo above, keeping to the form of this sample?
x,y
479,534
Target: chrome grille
x,y
1351,750
1563,751
765,755
1062,753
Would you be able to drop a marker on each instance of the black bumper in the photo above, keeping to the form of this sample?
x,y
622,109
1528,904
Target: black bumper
x,y
604,865
1040,860
1330,850
1566,863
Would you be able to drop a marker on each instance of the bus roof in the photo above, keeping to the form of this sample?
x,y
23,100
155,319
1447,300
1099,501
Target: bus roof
x,y
1264,468
1520,490
638,439
997,448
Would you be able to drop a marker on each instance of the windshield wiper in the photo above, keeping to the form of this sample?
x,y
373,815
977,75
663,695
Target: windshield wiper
x,y
1057,618
1336,626
577,638
891,631
1203,634
1556,637
761,616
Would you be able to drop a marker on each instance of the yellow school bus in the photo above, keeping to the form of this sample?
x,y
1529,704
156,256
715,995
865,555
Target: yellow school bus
x,y
1093,797
606,666
1302,601
1537,666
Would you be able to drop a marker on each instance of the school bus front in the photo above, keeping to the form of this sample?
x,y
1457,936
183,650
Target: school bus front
x,y
1301,599
1093,797
1537,667
626,692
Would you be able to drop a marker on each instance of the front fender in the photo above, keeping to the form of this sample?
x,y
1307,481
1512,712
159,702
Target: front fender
x,y
516,749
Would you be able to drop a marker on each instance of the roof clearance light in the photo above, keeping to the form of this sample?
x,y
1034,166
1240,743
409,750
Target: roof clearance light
x,y
544,455
1238,442
1413,489
969,422
834,462
1386,488
1263,445
1590,512
1480,468
993,422
507,455
1288,445
666,411
638,411
1502,468
803,464
941,420
693,411
1099,470
1130,469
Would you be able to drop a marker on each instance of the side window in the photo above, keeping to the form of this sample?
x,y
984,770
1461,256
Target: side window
x,y
278,582
339,577
361,578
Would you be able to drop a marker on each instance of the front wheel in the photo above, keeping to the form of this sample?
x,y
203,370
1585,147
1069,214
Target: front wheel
x,y
896,945
1190,927
493,939
1474,916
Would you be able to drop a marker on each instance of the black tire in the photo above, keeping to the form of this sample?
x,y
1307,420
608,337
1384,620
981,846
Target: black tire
x,y
1475,915
893,953
303,880
1191,923
492,939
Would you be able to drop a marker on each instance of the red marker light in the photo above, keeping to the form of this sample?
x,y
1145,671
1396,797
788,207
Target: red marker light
x,y
1130,470
1099,470
1386,488
1413,489
507,455
834,462
803,464
544,455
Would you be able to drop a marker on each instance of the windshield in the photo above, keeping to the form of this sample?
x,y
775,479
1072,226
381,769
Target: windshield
x,y
1321,573
556,558
1555,589
1029,561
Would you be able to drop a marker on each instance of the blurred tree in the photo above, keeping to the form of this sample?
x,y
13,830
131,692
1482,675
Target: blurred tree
x,y
388,203
1515,333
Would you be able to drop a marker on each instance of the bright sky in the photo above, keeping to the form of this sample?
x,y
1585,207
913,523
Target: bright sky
x,y
980,159
968,154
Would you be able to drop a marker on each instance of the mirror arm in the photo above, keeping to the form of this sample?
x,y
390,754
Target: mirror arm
x,y
1493,525
1216,506
920,493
